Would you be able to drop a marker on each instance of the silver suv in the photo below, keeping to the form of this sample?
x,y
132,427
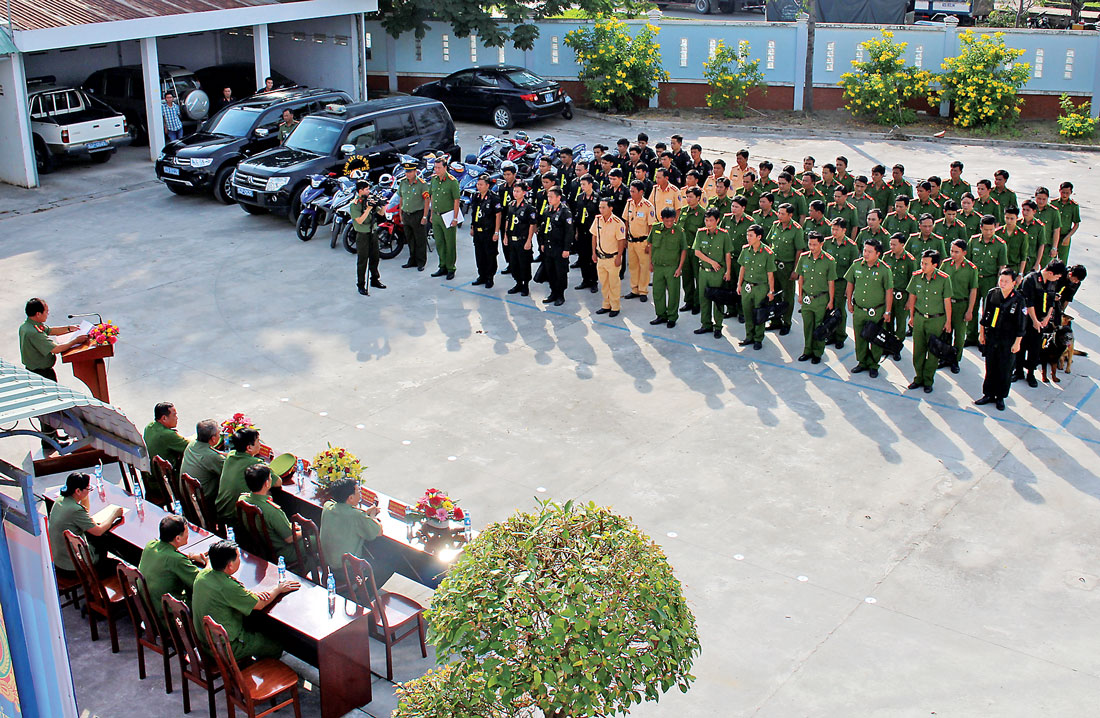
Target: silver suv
x,y
124,89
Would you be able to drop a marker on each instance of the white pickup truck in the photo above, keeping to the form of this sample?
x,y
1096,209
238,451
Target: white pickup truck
x,y
65,122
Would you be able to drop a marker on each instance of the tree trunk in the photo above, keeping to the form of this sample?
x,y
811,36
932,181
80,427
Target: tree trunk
x,y
1019,13
811,27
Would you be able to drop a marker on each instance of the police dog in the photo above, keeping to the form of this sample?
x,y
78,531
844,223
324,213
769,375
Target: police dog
x,y
1057,352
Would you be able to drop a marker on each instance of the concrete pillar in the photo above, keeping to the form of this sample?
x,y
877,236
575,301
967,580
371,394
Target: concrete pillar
x,y
391,61
261,53
950,47
655,16
150,71
801,37
358,56
17,164
1095,106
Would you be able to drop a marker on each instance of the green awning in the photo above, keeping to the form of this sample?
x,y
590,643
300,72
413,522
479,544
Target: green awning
x,y
7,47
24,395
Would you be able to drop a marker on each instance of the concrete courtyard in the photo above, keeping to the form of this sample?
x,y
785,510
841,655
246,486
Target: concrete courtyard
x,y
849,548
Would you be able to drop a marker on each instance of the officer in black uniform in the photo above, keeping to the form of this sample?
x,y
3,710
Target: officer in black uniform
x,y
1038,290
506,197
568,171
517,229
585,208
616,192
556,235
485,211
1000,333
668,164
680,157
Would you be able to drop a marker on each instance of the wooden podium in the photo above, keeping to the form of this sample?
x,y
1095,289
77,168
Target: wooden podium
x,y
89,367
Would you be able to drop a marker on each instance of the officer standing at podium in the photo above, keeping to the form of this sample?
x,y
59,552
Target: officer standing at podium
x,y
38,352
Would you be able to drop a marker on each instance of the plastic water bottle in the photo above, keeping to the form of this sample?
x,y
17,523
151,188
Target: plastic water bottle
x,y
177,508
282,569
230,535
99,479
139,502
299,472
467,528
330,584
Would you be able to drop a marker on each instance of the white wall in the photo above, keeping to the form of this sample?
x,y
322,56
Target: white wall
x,y
16,157
307,62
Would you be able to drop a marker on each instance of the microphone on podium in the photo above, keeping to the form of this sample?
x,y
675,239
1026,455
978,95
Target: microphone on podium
x,y
91,314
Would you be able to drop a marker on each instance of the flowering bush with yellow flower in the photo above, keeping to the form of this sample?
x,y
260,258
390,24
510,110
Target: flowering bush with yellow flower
x,y
731,76
983,81
617,69
334,463
1076,121
883,84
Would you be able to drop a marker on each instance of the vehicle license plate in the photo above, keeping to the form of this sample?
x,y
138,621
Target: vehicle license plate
x,y
96,145
170,171
548,97
245,192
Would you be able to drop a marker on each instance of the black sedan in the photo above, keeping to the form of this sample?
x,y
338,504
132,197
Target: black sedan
x,y
506,94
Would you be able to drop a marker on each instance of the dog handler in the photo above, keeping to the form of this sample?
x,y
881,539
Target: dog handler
x,y
1000,332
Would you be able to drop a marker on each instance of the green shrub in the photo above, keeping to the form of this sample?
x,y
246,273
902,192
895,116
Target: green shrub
x,y
983,81
882,85
617,69
1076,121
731,76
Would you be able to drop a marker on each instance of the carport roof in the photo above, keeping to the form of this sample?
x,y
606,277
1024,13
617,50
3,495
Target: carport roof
x,y
43,14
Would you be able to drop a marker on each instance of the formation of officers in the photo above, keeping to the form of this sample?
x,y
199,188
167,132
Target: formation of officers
x,y
921,259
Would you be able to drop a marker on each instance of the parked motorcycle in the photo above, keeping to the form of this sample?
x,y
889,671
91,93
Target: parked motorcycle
x,y
315,200
340,215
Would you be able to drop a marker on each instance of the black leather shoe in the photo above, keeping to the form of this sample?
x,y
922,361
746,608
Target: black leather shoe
x,y
364,291
740,319
670,325
897,357
695,310
489,284
758,345
915,384
645,297
984,400
439,273
858,368
927,389
602,310
594,288
815,360
506,270
614,313
477,282
745,342
686,307
377,284
839,344
559,301
873,373
1000,405
718,333
1031,380
420,269
407,265
729,315
784,331
548,300
515,290
658,320
954,368
631,295
524,292
703,330
575,265
450,275
805,357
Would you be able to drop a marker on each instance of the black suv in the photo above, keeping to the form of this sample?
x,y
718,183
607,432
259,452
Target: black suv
x,y
375,131
123,88
206,159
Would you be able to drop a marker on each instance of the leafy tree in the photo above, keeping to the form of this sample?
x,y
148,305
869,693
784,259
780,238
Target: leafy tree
x,y
494,23
570,610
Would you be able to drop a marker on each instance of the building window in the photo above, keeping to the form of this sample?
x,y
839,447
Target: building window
x,y
554,50
683,52
446,48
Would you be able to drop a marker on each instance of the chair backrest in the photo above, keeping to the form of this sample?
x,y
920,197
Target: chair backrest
x,y
194,503
360,578
85,569
252,522
164,477
366,496
397,508
308,548
180,627
139,604
223,656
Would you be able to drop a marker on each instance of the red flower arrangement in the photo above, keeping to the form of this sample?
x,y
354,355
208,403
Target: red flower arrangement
x,y
437,506
237,421
103,334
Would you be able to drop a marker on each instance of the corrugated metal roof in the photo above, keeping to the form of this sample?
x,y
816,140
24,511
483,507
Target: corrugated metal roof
x,y
24,395
42,14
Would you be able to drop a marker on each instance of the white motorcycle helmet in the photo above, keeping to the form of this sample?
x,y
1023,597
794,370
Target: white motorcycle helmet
x,y
385,180
508,165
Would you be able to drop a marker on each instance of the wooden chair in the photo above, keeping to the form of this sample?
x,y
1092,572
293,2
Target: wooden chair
x,y
254,526
196,666
263,681
67,587
147,629
103,596
391,613
163,477
308,549
195,505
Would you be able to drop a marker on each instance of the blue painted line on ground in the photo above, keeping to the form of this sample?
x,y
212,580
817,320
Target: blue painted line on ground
x,y
834,378
1077,408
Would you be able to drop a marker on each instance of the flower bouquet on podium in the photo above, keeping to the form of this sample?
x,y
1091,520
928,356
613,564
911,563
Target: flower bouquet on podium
x,y
436,509
103,334
335,463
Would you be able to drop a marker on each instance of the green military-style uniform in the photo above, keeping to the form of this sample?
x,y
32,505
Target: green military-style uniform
x,y
691,221
227,601
1017,243
203,463
928,320
820,226
972,222
231,484
799,175
285,128
787,242
756,265
882,195
364,221
1070,213
863,205
1036,237
346,529
954,190
916,244
848,181
1052,221
765,220
752,196
951,232
812,194
443,194
799,209
870,285
818,275
278,525
932,207
880,234
907,225
666,254
844,254
989,206
68,514
166,571
848,212
722,204
989,257
898,189
766,185
738,238
716,246
1005,198
902,268
35,346
165,443
964,279
412,194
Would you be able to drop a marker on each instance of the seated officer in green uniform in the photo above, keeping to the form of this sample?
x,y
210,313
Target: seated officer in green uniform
x,y
345,528
70,512
755,283
258,479
930,311
201,461
712,247
964,297
668,252
218,595
165,568
869,300
231,484
161,437
816,272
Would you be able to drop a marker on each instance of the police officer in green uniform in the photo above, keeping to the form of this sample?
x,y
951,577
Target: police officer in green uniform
x,y
444,193
283,535
898,186
766,216
287,125
668,252
930,309
862,201
902,265
1036,234
816,221
161,437
69,513
363,223
841,248
1015,237
787,193
722,197
924,204
737,224
39,353
216,593
413,192
201,461
924,238
964,296
1051,218
347,529
841,207
879,190
986,203
874,229
755,283
164,566
1070,214
950,227
712,248
955,186
869,300
750,191
691,220
989,253
816,272
786,240
900,220
231,484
